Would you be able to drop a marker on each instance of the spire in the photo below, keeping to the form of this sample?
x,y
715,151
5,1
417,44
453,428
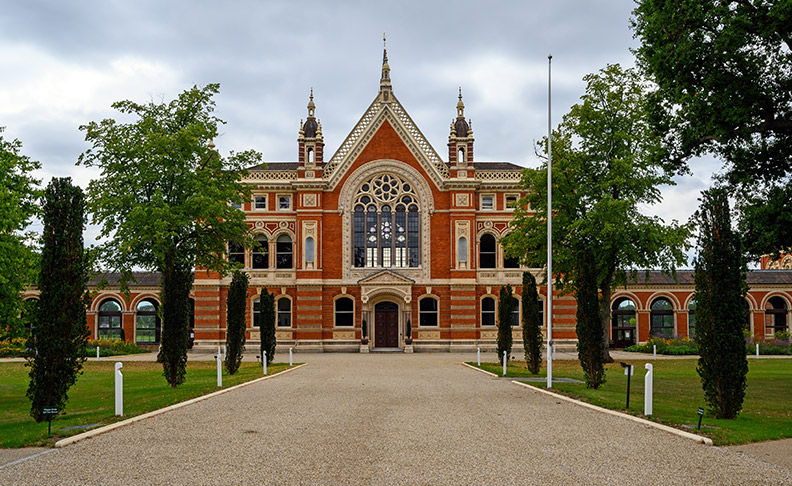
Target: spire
x,y
311,106
310,127
460,105
460,127
385,83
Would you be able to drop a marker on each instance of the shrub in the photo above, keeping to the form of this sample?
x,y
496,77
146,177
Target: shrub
x,y
236,306
532,327
505,313
591,339
676,346
268,341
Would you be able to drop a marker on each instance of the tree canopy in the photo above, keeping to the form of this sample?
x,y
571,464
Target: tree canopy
x,y
604,171
164,191
18,204
723,72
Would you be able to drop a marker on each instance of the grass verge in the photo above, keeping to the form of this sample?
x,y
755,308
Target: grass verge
x,y
766,414
92,398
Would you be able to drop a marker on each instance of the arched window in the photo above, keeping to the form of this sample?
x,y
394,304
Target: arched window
x,y
236,253
662,318
310,156
775,316
309,252
261,252
461,156
427,312
386,224
692,318
284,312
515,312
623,323
344,312
147,322
110,321
283,252
487,311
462,250
487,251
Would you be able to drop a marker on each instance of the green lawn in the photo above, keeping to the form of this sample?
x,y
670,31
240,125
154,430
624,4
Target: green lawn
x,y
92,398
766,414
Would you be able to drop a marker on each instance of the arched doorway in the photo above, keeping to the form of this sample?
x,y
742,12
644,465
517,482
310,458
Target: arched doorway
x,y
386,325
623,323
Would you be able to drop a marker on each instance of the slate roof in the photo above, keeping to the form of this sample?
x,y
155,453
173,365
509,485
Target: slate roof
x,y
275,166
476,165
142,279
685,278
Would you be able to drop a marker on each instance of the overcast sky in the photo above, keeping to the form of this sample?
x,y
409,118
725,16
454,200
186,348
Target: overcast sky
x,y
63,64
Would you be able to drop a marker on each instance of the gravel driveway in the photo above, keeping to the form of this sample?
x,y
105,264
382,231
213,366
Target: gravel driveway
x,y
389,419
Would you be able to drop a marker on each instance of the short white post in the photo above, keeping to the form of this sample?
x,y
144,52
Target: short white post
x,y
648,389
554,351
290,356
654,351
97,351
478,356
219,369
757,350
264,361
504,363
119,390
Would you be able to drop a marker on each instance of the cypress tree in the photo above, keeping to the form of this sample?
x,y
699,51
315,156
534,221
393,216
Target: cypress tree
x,y
175,286
236,307
531,325
589,325
268,342
61,333
720,279
505,313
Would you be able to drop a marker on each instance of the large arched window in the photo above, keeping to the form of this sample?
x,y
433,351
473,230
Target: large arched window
x,y
110,321
260,252
692,318
147,322
775,316
487,251
427,312
283,252
662,318
284,312
487,311
386,224
344,312
623,323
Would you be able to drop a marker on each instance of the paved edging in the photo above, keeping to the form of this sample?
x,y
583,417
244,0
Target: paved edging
x,y
480,370
687,435
153,413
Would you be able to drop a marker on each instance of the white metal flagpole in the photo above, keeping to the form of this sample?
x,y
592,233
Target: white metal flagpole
x,y
549,232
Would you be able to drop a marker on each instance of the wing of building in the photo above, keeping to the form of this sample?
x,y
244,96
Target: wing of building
x,y
386,234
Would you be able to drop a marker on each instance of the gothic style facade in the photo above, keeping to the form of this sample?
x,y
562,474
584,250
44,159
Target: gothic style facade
x,y
388,236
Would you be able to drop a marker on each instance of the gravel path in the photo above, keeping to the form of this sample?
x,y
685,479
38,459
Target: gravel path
x,y
389,419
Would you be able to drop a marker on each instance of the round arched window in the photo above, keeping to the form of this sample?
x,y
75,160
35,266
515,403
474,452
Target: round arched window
x,y
110,327
775,316
147,322
662,318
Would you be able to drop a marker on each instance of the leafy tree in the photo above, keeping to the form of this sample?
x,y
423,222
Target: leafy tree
x,y
724,86
505,318
18,195
268,318
163,200
236,305
61,333
720,279
531,324
589,327
604,170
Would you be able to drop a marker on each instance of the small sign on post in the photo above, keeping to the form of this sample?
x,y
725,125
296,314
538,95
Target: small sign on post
x,y
700,414
49,412
629,370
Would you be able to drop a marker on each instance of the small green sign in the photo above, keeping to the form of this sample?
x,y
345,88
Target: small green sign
x,y
49,411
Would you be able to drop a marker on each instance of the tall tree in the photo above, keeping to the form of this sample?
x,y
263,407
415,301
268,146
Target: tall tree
x,y
18,195
236,305
531,324
268,318
604,170
163,201
61,333
720,301
589,328
505,322
724,86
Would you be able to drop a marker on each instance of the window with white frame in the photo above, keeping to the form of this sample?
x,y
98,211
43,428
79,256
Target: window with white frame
x,y
344,312
260,252
284,202
487,311
284,312
487,202
259,203
427,312
511,200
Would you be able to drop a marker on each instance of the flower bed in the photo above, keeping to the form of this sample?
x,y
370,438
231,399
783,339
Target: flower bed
x,y
779,345
17,348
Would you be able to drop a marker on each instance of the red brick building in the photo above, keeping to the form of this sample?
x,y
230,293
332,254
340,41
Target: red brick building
x,y
386,234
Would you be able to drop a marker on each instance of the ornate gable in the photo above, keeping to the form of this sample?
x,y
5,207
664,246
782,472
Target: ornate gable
x,y
386,282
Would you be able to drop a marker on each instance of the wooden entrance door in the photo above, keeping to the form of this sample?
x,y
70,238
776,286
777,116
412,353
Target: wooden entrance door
x,y
386,325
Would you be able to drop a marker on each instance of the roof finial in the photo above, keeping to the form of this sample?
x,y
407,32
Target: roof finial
x,y
311,105
460,105
385,79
